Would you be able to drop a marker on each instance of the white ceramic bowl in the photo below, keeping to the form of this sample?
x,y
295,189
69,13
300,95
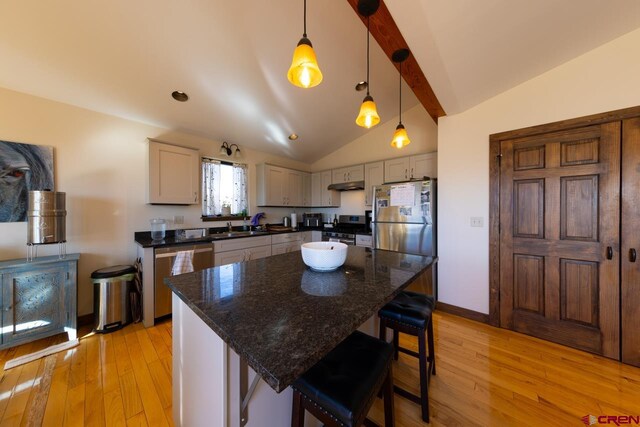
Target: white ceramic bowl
x,y
324,256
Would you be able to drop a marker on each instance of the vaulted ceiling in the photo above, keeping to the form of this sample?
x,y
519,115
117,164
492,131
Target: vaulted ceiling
x,y
126,57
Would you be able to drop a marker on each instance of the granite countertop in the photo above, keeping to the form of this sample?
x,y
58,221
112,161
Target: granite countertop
x,y
282,317
143,238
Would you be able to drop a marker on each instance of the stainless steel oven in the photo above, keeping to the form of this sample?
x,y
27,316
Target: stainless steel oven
x,y
332,236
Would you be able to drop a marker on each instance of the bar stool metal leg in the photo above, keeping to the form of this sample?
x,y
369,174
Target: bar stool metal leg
x,y
424,389
432,351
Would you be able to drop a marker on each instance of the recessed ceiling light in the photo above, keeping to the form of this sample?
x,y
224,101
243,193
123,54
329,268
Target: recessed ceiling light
x,y
361,86
180,96
293,136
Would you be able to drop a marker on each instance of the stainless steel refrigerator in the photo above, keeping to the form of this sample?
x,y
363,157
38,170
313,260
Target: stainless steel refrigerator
x,y
404,218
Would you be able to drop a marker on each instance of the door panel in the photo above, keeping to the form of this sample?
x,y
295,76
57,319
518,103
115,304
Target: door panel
x,y
630,289
559,212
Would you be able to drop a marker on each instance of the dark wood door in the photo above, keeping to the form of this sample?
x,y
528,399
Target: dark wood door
x,y
630,242
559,237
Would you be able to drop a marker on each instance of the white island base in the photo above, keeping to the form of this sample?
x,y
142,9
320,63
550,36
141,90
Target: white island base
x,y
210,381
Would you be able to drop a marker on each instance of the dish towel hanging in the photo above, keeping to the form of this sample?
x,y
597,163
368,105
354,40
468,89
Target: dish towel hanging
x,y
183,263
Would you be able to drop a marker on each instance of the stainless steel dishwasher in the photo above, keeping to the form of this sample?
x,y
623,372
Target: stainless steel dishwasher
x,y
164,259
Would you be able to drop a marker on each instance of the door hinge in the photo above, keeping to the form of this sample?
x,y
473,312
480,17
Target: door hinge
x,y
68,277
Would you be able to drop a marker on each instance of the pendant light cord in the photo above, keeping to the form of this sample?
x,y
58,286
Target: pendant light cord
x,y
368,34
304,34
400,91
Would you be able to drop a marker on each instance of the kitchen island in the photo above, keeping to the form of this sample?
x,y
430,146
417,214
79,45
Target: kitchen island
x,y
273,319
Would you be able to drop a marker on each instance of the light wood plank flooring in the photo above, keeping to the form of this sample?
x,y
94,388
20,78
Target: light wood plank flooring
x,y
485,377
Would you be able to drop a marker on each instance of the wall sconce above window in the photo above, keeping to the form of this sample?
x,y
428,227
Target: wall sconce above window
x,y
227,150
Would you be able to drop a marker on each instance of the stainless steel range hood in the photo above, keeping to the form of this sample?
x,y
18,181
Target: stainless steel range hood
x,y
347,186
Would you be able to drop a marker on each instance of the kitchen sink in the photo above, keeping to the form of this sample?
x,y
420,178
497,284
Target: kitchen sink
x,y
226,234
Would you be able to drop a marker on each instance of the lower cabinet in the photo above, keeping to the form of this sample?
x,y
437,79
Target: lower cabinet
x,y
283,248
289,242
363,240
38,298
239,250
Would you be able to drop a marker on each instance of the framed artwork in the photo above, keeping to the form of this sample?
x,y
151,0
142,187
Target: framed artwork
x,y
23,168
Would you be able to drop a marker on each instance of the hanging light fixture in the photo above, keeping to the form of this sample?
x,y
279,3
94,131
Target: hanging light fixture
x,y
304,71
400,137
368,116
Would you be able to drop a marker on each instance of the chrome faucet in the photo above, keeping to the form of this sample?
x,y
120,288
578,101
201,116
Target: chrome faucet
x,y
229,226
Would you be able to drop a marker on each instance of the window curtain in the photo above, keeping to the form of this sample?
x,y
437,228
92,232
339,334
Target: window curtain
x,y
211,204
239,203
213,187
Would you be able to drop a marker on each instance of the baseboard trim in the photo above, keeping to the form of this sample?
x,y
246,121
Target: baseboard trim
x,y
462,312
85,320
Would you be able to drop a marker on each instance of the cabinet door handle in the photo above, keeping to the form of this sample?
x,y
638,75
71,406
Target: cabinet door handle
x,y
411,172
609,252
195,196
632,254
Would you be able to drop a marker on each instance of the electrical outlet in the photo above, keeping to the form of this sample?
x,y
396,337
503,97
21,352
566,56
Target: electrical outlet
x,y
477,221
178,219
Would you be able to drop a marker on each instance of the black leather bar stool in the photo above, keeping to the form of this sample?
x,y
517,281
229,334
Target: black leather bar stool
x,y
340,389
410,313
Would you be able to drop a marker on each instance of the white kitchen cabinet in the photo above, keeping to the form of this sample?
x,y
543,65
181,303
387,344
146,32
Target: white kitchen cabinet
x,y
230,257
321,196
306,189
413,167
373,175
242,249
423,165
278,186
347,174
283,248
396,170
289,242
174,174
362,240
293,187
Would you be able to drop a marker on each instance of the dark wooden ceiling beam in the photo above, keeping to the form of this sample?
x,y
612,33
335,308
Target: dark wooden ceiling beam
x,y
385,31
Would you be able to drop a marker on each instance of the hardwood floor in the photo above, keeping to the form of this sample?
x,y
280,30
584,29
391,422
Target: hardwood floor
x,y
485,377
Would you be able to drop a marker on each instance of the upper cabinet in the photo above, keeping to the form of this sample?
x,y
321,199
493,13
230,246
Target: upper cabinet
x,y
174,174
373,175
278,186
347,174
306,189
396,170
321,196
414,167
423,165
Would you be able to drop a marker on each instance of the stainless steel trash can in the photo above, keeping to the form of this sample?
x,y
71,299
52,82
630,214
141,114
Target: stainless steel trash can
x,y
111,303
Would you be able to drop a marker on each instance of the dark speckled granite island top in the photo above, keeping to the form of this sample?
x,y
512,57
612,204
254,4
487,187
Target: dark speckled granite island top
x,y
282,317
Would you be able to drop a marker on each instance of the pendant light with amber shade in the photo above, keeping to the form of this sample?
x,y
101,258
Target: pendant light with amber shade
x,y
368,115
304,71
400,137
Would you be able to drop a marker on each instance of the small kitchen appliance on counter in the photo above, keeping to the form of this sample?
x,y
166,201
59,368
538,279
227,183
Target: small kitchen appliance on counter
x,y
312,219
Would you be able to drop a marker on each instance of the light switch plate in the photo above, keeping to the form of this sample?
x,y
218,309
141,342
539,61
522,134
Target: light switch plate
x,y
178,219
477,221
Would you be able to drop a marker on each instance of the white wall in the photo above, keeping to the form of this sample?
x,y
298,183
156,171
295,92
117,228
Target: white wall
x,y
605,79
101,163
375,144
